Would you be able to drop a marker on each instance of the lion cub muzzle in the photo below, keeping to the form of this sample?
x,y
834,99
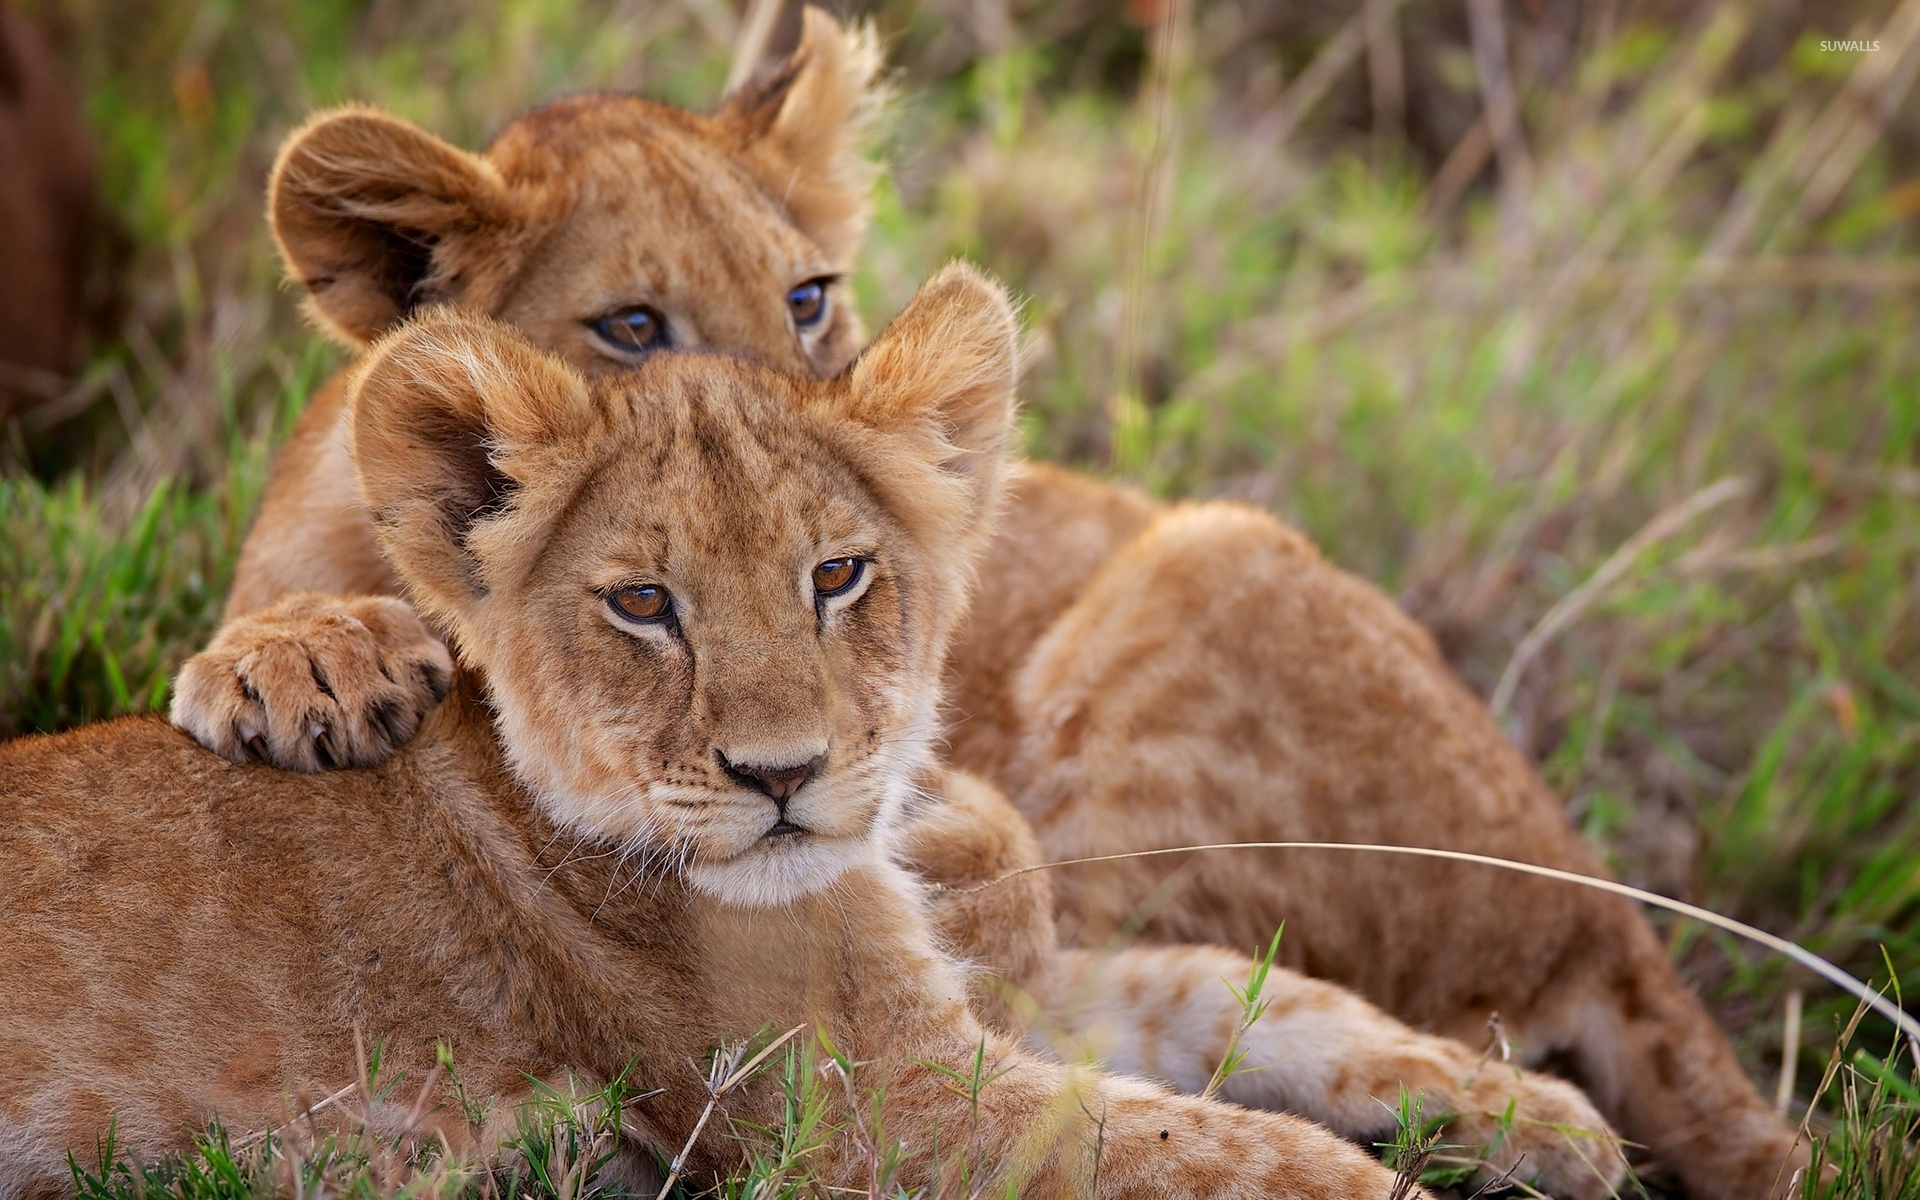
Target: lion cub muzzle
x,y
777,783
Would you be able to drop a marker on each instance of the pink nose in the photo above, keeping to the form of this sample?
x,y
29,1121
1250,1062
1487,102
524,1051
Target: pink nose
x,y
778,782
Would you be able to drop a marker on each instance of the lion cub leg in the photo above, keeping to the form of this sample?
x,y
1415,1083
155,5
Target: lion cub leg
x,y
1054,1131
1165,1012
314,682
1318,1050
965,844
297,678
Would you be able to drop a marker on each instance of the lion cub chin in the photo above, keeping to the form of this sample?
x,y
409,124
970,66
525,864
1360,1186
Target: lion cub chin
x,y
701,612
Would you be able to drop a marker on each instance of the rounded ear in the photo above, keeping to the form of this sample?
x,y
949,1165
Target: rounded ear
x,y
944,372
361,201
451,413
799,124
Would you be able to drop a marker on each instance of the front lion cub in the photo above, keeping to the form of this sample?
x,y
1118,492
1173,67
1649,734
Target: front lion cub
x,y
700,612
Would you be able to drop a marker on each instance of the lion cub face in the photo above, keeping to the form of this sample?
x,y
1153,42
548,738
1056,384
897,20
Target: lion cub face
x,y
605,227
710,601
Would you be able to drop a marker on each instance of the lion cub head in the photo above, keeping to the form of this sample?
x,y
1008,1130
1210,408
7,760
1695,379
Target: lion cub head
x,y
604,226
710,601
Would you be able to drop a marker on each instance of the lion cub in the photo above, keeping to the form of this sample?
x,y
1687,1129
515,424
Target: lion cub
x,y
700,612
1146,676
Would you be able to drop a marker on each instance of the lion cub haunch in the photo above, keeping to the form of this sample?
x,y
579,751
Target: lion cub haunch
x,y
700,612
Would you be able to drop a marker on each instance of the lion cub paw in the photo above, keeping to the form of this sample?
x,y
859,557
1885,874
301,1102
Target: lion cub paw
x,y
1541,1130
314,682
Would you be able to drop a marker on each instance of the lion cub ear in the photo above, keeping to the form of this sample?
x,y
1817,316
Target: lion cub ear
x,y
943,375
363,205
799,125
452,414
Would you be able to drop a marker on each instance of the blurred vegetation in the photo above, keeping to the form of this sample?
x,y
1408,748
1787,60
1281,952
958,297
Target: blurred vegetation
x,y
1301,258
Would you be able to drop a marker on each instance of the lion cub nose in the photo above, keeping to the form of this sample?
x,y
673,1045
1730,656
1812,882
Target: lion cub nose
x,y
779,782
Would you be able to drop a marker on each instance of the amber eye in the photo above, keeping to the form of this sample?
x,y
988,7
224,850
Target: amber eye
x,y
648,602
836,576
636,330
808,302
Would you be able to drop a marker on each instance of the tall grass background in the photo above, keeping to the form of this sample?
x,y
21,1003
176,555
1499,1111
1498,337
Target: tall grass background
x,y
1584,328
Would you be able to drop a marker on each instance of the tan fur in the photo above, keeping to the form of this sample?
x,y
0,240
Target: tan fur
x,y
189,937
1216,680
589,204
382,668
1166,1012
1133,675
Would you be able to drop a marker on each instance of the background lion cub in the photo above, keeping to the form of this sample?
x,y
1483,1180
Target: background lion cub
x,y
705,608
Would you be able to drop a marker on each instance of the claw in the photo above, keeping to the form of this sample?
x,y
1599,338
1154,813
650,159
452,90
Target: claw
x,y
438,682
254,665
323,750
389,715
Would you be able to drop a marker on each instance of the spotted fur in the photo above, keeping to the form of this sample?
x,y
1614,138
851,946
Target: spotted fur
x,y
1168,1013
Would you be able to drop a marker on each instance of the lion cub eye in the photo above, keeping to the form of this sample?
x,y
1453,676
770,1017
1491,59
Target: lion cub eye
x,y
648,602
808,302
635,330
836,577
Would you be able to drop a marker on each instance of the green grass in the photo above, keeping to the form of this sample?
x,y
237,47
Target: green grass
x,y
558,1145
562,1143
1471,396
385,1139
1869,1149
111,584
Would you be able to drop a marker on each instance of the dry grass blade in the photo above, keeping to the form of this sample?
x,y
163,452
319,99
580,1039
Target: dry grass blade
x,y
726,1074
1575,603
753,1064
1834,1062
1334,59
756,31
1789,1051
1503,110
1779,945
1863,109
1406,1177
1386,78
319,1106
1168,50
1821,156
